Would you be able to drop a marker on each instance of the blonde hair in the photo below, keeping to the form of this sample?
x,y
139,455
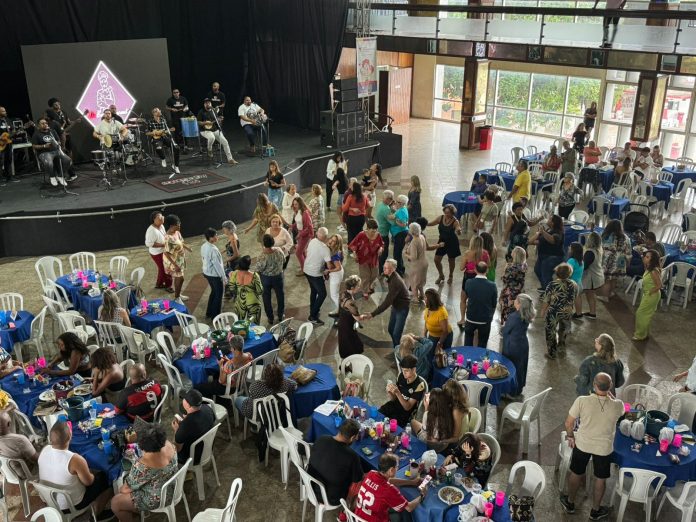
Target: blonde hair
x,y
415,183
406,345
316,190
476,244
607,351
339,243
518,255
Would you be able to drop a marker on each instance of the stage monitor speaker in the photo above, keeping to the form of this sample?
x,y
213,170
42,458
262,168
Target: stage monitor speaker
x,y
389,150
346,84
327,139
346,95
325,120
360,119
348,106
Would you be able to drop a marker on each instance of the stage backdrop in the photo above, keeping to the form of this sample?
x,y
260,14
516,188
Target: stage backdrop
x,y
114,72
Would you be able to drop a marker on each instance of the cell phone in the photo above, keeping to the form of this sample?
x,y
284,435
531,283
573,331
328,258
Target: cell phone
x,y
424,485
178,417
366,451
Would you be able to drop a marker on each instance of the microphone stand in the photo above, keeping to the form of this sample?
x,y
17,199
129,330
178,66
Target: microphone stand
x,y
171,146
217,122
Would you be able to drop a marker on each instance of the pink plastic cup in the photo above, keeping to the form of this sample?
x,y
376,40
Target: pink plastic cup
x,y
206,351
664,446
486,365
30,371
488,509
474,368
165,303
393,425
405,440
143,304
499,498
460,359
677,440
41,362
627,407
379,428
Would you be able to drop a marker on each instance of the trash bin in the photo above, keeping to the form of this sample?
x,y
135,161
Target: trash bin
x,y
486,137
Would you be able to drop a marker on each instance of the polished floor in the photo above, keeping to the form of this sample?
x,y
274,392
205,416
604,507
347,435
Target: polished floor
x,y
431,152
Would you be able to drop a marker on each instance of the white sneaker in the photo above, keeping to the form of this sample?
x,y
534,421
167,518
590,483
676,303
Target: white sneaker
x,y
62,182
183,297
164,164
178,300
176,169
54,182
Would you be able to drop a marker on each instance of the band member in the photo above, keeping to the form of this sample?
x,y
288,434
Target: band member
x,y
178,108
110,127
6,134
159,132
47,147
217,98
211,131
59,120
252,118
114,114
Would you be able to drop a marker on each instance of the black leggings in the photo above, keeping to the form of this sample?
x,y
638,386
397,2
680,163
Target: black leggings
x,y
564,211
329,192
354,224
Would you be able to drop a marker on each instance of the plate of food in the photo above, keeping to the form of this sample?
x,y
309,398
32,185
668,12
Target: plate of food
x,y
577,227
47,396
258,329
468,483
82,389
62,366
44,409
451,495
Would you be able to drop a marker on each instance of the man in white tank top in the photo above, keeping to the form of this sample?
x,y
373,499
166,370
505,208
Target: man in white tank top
x,y
59,467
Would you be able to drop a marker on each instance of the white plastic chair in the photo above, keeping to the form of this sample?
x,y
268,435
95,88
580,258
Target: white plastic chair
x,y
36,338
166,344
136,281
157,415
109,336
224,321
207,456
180,384
117,268
58,293
48,268
83,261
168,501
53,308
479,394
494,446
681,275
503,167
688,236
138,343
223,515
221,414
50,495
352,517
11,301
321,505
293,443
279,329
74,321
690,220
24,426
48,514
304,332
269,410
565,452
679,196
124,297
516,153
579,216
361,367
619,192
258,364
531,149
647,395
475,420
601,208
239,377
12,478
637,485
683,497
665,176
670,234
190,327
125,368
524,413
534,479
687,408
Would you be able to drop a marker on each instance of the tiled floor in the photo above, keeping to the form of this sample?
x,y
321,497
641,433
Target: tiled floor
x,y
431,152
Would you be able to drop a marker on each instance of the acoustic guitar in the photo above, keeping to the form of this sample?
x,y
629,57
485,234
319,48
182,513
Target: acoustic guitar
x,y
6,137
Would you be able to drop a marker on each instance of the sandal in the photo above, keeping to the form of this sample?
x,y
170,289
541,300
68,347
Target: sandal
x,y
449,280
439,280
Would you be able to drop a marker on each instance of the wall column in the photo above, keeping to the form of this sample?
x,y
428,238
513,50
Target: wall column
x,y
473,102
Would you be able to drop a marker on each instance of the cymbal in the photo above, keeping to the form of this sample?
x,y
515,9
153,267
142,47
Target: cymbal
x,y
135,120
132,125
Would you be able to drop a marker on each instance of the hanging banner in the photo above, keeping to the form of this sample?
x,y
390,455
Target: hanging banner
x,y
366,49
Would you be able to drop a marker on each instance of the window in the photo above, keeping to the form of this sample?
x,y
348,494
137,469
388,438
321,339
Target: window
x,y
449,82
444,14
672,145
676,110
510,119
548,93
513,89
581,93
543,123
619,102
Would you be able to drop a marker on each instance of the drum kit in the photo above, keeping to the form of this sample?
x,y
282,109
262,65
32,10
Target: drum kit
x,y
118,152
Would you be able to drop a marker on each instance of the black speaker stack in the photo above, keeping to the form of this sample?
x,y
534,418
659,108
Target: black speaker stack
x,y
346,125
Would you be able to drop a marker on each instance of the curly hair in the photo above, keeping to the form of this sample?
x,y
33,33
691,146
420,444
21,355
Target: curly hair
x,y
273,376
152,438
103,359
440,418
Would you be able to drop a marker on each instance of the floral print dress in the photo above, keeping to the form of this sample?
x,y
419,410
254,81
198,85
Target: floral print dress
x,y
513,285
617,252
174,246
316,209
263,221
147,483
247,298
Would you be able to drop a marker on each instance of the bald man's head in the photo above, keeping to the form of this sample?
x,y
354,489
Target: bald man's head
x,y
60,435
5,423
138,373
602,382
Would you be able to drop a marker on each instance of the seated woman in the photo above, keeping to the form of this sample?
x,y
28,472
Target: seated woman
x,y
272,382
227,366
7,364
437,427
73,353
107,374
465,419
592,153
419,347
474,457
142,487
111,312
552,161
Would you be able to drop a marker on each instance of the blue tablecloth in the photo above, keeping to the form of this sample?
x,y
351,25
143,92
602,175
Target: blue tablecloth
x,y
674,255
21,331
84,302
198,370
461,200
678,175
500,514
616,208
321,389
491,176
500,386
149,322
570,235
326,425
663,190
539,156
87,445
647,459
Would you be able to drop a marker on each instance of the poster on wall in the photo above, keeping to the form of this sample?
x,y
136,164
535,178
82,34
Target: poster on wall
x,y
367,66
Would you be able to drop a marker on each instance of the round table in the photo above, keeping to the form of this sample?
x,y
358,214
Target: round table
x,y
491,176
316,392
198,370
500,386
647,459
20,333
571,235
465,201
663,190
85,302
149,322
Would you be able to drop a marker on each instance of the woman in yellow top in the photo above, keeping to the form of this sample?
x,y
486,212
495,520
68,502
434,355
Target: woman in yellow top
x,y
522,189
437,327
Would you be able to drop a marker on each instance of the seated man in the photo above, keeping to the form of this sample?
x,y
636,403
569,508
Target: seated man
x,y
53,160
643,163
405,394
16,446
60,467
198,420
160,133
334,463
141,397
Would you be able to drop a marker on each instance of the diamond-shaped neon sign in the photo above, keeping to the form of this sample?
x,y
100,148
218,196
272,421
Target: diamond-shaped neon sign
x,y
103,90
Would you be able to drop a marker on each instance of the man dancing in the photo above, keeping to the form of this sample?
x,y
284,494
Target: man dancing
x,y
46,145
208,122
159,132
252,118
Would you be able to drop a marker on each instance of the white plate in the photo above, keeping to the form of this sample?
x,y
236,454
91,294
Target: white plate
x,y
442,491
258,329
83,389
47,396
62,366
577,227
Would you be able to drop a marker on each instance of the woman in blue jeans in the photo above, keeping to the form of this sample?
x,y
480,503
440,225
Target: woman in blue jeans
x,y
269,266
549,241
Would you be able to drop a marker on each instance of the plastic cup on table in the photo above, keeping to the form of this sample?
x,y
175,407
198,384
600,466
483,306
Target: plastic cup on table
x,y
92,414
206,352
379,429
20,377
373,412
460,359
41,362
488,509
627,407
165,303
474,368
105,435
499,498
393,425
486,365
677,440
107,445
664,446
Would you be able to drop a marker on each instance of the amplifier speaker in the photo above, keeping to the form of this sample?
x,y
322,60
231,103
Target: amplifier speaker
x,y
360,119
346,95
348,106
341,121
346,84
351,120
325,122
342,138
327,139
360,135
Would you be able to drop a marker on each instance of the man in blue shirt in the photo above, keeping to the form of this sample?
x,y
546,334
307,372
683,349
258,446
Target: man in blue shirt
x,y
481,298
214,272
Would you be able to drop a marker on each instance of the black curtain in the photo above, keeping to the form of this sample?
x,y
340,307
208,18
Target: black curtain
x,y
294,50
206,39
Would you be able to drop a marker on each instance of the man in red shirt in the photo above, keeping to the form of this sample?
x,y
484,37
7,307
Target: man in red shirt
x,y
379,494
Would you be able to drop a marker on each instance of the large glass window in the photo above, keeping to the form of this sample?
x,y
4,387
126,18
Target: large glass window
x,y
449,82
581,93
548,93
619,102
676,110
513,89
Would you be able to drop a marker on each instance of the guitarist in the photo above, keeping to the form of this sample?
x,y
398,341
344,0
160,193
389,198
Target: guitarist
x,y
252,119
6,133
211,131
56,114
160,133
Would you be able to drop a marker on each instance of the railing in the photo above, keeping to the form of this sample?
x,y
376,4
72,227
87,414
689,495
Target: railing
x,y
580,27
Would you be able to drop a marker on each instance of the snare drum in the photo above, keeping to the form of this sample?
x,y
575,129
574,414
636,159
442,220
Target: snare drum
x,y
98,156
189,127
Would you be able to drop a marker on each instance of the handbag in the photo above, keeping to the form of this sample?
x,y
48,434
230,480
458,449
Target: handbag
x,y
638,412
353,387
303,375
286,353
440,357
497,371
521,508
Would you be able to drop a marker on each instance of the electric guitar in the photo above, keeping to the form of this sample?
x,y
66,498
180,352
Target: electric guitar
x,y
6,137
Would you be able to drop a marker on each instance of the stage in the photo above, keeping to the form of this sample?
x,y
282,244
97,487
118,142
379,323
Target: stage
x,y
99,219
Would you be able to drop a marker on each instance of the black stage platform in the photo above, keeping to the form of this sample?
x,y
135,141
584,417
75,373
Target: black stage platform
x,y
101,219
